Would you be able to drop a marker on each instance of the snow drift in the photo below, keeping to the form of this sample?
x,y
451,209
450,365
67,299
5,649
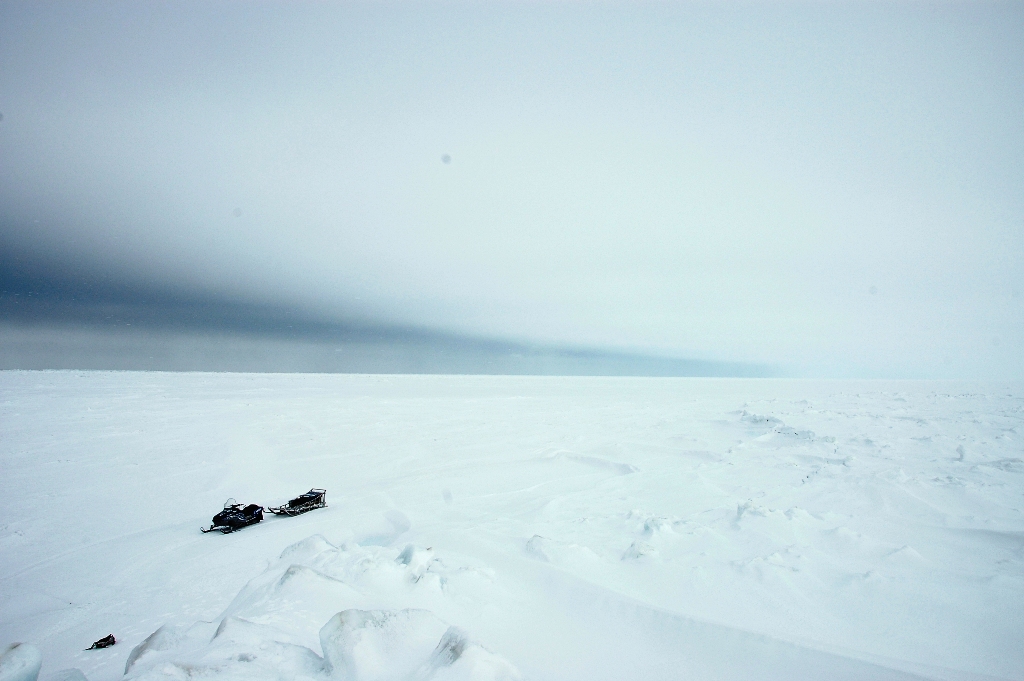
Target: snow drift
x,y
263,632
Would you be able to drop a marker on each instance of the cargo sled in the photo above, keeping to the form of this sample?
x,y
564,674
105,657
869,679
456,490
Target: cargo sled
x,y
314,498
235,517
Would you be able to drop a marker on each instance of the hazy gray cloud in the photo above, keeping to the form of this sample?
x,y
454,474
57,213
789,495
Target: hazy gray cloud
x,y
829,188
70,318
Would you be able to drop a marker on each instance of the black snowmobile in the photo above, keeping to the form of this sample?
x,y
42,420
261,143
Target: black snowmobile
x,y
314,498
235,517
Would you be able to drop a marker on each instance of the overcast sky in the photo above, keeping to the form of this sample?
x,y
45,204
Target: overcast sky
x,y
835,189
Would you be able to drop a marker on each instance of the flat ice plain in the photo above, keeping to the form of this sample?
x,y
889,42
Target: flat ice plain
x,y
485,527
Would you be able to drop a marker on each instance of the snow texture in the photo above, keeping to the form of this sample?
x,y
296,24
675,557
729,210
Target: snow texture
x,y
67,675
512,527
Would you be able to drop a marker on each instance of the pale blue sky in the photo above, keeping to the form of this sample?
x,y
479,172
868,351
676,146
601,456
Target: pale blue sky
x,y
835,189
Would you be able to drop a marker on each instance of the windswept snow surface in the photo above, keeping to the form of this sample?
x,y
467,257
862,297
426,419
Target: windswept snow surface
x,y
486,527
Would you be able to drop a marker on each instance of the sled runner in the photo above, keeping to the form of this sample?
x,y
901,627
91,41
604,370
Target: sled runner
x,y
104,642
235,517
314,498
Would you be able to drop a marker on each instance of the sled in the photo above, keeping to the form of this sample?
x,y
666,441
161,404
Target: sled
x,y
235,517
314,498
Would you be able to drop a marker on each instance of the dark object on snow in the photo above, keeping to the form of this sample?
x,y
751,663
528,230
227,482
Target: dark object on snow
x,y
314,498
104,642
235,517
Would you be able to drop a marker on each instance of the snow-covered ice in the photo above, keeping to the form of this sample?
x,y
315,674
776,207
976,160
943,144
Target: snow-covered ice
x,y
512,527
20,662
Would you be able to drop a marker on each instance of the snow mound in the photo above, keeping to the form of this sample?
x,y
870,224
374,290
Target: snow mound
x,y
652,525
379,645
272,628
307,549
164,638
759,419
399,645
20,662
458,658
638,549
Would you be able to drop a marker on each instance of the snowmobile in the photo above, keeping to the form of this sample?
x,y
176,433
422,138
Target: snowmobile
x,y
314,498
235,517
